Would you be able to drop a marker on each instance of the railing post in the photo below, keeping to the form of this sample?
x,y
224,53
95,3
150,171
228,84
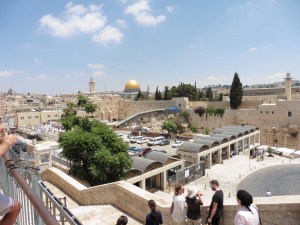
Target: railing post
x,y
35,201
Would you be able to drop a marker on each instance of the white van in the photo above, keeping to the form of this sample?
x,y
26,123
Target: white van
x,y
155,141
135,139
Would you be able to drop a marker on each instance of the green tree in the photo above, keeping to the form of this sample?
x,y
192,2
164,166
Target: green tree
x,y
138,96
172,125
209,94
156,97
220,98
167,93
236,92
97,153
185,116
200,111
159,96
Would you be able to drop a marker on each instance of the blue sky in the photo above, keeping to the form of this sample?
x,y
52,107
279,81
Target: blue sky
x,y
55,46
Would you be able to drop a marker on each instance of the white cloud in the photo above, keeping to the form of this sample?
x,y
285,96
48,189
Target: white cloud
x,y
68,76
10,73
122,23
124,1
215,79
276,76
75,19
252,49
109,33
98,73
96,65
37,61
41,76
171,9
141,10
193,46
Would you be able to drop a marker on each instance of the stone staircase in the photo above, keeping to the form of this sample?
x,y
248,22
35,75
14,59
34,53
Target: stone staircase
x,y
93,214
101,214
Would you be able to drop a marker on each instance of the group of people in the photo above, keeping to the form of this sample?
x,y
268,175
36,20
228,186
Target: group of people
x,y
9,209
186,210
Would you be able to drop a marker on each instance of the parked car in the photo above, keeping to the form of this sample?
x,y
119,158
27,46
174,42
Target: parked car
x,y
135,151
164,142
142,140
145,151
132,149
155,141
176,144
135,139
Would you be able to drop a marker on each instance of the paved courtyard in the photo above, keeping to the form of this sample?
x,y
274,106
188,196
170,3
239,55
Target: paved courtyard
x,y
231,173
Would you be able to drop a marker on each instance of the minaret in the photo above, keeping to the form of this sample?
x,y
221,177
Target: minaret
x,y
92,85
288,87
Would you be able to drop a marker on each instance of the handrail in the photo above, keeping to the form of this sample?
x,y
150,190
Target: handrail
x,y
35,201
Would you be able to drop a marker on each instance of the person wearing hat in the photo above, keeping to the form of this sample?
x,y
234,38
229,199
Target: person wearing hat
x,y
247,213
193,201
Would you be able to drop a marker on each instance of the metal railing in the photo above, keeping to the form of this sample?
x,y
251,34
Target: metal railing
x,y
187,174
57,158
20,180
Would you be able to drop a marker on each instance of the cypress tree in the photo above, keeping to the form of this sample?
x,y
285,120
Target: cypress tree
x,y
156,94
236,92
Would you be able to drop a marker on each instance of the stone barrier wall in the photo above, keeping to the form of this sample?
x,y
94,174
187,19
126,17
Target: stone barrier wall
x,y
283,210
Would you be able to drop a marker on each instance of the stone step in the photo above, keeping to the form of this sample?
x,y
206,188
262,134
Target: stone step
x,y
94,214
104,214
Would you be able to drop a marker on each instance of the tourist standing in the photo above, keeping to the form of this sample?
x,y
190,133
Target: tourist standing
x,y
179,209
216,206
247,213
268,193
193,201
154,217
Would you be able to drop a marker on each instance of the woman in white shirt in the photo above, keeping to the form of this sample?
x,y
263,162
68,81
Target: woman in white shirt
x,y
179,209
247,213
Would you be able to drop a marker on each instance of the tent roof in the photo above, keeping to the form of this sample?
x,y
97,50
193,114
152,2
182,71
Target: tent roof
x,y
143,165
192,147
159,157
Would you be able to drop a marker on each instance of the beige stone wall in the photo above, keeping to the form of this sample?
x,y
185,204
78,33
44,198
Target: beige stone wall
x,y
129,108
133,201
196,104
37,118
265,117
278,210
251,104
107,106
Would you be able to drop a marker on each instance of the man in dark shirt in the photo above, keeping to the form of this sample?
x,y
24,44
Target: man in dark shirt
x,y
216,206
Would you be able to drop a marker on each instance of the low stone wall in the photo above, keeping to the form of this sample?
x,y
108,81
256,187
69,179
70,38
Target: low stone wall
x,y
283,210
279,210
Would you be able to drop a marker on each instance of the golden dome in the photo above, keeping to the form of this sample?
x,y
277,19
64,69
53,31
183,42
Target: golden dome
x,y
132,85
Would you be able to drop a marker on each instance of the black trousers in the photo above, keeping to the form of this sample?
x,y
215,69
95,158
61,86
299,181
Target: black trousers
x,y
215,220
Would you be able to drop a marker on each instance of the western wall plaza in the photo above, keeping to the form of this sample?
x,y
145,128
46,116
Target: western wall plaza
x,y
223,148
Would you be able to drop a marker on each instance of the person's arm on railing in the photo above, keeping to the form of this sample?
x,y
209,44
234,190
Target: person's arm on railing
x,y
7,142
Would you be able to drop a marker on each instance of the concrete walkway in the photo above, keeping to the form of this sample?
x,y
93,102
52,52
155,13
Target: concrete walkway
x,y
230,174
94,214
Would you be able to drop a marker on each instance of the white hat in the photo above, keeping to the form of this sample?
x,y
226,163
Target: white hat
x,y
192,191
